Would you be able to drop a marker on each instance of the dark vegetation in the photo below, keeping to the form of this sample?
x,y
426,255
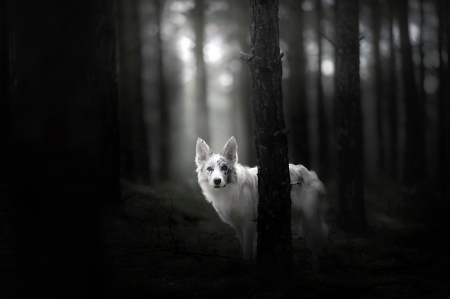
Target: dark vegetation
x,y
164,243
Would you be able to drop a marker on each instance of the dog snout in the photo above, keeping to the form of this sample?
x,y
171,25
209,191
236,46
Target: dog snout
x,y
217,181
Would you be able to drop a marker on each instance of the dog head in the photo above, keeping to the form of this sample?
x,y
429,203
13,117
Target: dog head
x,y
217,169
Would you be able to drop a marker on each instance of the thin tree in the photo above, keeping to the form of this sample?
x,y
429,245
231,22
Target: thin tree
x,y
163,103
244,127
5,117
392,96
322,120
103,86
349,135
444,94
376,29
133,143
422,97
200,80
414,163
297,107
274,208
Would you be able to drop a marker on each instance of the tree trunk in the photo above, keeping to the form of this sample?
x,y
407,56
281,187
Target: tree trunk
x,y
274,208
64,110
5,117
444,174
200,80
297,107
133,143
376,28
103,86
413,166
422,97
322,120
392,98
244,126
349,135
164,105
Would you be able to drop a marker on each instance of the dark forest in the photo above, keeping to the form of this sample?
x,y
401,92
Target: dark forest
x,y
101,105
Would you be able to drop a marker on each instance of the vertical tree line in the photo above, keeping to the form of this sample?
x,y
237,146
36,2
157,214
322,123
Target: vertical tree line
x,y
133,133
274,207
322,120
392,97
63,103
200,79
348,131
296,99
376,29
413,166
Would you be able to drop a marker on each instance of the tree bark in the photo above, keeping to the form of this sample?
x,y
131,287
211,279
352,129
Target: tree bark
x,y
133,141
274,208
296,102
376,29
243,128
322,120
200,80
392,97
102,80
349,135
413,166
164,104
5,112
444,95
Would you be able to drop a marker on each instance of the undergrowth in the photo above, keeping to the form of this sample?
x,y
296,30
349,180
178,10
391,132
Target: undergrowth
x,y
168,241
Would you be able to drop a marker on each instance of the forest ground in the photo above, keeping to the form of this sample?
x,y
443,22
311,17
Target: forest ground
x,y
167,241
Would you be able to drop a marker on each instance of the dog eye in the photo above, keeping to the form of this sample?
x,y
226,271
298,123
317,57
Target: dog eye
x,y
209,168
224,167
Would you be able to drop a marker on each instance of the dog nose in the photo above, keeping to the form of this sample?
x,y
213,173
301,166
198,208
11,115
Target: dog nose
x,y
217,181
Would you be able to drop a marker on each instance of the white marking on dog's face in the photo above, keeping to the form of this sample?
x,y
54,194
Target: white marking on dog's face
x,y
217,168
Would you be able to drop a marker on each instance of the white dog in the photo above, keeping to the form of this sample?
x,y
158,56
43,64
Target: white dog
x,y
233,191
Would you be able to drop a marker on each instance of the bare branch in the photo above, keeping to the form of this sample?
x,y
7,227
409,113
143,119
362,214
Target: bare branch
x,y
328,39
245,57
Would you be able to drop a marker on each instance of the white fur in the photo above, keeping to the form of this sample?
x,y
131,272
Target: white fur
x,y
233,192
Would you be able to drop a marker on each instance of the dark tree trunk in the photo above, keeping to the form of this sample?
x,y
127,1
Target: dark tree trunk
x,y
376,28
274,208
200,80
422,97
413,166
164,105
322,120
244,126
133,144
103,86
392,97
297,107
349,135
444,95
64,109
5,117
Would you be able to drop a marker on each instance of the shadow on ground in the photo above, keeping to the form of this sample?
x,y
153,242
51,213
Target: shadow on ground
x,y
168,241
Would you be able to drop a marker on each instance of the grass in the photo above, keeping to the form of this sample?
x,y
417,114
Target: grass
x,y
168,241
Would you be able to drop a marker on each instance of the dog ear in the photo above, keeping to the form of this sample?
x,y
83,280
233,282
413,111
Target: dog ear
x,y
203,152
229,151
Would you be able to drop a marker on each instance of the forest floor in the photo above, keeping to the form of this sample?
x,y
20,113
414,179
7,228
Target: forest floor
x,y
168,241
